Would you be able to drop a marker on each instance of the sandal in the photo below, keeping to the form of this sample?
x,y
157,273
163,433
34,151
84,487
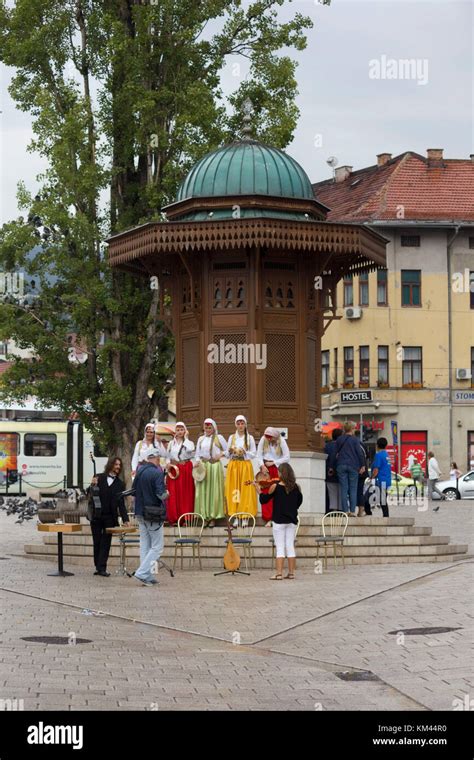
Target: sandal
x,y
290,577
277,577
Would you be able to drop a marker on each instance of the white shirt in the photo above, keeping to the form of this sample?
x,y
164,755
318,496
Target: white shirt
x,y
173,451
271,454
110,480
204,445
433,469
142,449
238,441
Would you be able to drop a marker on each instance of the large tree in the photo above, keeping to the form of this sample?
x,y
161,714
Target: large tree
x,y
124,96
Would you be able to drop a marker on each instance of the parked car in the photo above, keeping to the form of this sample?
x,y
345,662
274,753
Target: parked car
x,y
463,488
406,487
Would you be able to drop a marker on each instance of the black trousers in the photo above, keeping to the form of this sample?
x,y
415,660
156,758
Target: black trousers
x,y
379,495
102,540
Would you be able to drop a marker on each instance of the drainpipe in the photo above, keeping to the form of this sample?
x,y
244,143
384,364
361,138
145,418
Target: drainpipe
x,y
450,340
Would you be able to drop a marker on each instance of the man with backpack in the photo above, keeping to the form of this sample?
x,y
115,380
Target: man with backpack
x,y
150,511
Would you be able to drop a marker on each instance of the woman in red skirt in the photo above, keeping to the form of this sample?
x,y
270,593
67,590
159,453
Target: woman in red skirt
x,y
271,453
179,481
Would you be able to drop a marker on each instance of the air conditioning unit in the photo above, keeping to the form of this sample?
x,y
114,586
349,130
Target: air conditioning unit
x,y
353,312
463,374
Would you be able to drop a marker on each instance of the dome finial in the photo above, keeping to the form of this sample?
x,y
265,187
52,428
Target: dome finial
x,y
247,119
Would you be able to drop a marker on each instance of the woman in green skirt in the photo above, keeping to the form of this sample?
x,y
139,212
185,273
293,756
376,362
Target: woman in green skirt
x,y
211,448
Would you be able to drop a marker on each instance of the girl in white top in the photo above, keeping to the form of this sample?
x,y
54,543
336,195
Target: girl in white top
x,y
211,445
272,448
143,447
180,482
180,448
241,450
454,472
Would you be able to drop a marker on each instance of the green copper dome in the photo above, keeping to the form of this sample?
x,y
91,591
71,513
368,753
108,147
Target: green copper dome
x,y
246,167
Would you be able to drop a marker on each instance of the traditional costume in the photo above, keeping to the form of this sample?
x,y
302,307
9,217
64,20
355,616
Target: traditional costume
x,y
143,448
181,487
271,454
209,501
241,450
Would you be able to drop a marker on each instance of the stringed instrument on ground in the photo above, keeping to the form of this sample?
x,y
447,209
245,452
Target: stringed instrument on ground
x,y
231,556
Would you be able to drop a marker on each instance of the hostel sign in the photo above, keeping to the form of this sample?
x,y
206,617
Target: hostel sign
x,y
356,397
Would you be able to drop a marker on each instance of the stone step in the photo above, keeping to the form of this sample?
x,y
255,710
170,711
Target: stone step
x,y
265,541
215,564
264,551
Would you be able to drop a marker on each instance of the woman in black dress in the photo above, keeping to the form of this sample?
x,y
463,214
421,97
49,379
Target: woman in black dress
x,y
287,498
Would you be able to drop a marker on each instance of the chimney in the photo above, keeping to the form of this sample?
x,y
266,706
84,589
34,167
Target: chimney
x,y
435,157
383,158
342,172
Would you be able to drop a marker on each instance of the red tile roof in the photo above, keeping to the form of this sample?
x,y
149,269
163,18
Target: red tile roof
x,y
426,192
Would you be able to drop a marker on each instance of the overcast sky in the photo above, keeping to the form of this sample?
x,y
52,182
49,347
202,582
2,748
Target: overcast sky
x,y
346,111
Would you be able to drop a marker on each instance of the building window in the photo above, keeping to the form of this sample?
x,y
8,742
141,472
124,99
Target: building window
x,y
349,290
410,241
3,347
382,365
471,243
364,289
349,365
412,367
325,369
336,368
382,299
39,445
411,287
472,367
471,289
364,370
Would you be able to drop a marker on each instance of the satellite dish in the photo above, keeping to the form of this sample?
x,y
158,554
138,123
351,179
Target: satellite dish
x,y
332,161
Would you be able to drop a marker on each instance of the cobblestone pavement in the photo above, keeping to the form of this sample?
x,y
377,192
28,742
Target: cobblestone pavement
x,y
223,643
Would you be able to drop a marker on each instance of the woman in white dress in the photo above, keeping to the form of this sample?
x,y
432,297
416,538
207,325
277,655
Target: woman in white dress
x,y
241,450
143,447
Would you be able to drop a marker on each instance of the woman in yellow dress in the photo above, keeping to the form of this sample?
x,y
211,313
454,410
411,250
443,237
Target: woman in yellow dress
x,y
241,451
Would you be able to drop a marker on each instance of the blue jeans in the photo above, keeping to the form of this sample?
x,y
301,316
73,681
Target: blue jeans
x,y
151,547
348,479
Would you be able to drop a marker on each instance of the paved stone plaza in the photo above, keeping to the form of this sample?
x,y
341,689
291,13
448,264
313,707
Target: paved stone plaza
x,y
199,642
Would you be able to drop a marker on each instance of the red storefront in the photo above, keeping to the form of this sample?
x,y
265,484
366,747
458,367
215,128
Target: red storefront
x,y
413,443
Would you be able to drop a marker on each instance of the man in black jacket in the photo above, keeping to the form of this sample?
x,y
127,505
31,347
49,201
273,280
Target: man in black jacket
x,y
110,486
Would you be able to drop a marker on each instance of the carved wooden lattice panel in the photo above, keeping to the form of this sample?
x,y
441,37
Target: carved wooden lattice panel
x,y
229,292
190,371
311,366
230,371
280,374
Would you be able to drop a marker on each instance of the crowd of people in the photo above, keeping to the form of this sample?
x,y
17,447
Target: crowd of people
x,y
180,477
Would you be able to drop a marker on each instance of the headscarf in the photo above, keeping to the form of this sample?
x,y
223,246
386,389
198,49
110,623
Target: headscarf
x,y
274,434
148,425
215,438
241,417
186,431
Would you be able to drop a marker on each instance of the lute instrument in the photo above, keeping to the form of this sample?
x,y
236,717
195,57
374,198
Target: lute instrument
x,y
231,556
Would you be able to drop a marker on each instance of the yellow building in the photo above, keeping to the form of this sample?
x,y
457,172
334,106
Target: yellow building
x,y
404,337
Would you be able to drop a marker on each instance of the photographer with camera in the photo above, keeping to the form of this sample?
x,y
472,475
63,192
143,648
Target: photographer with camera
x,y
150,511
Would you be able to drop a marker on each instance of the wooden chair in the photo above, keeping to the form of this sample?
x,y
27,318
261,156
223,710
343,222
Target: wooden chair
x,y
243,526
272,540
333,526
189,527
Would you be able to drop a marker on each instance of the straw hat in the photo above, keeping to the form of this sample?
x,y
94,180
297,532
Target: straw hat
x,y
199,472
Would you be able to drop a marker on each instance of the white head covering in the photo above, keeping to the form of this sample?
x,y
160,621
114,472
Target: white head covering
x,y
273,432
186,433
240,417
210,421
148,425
